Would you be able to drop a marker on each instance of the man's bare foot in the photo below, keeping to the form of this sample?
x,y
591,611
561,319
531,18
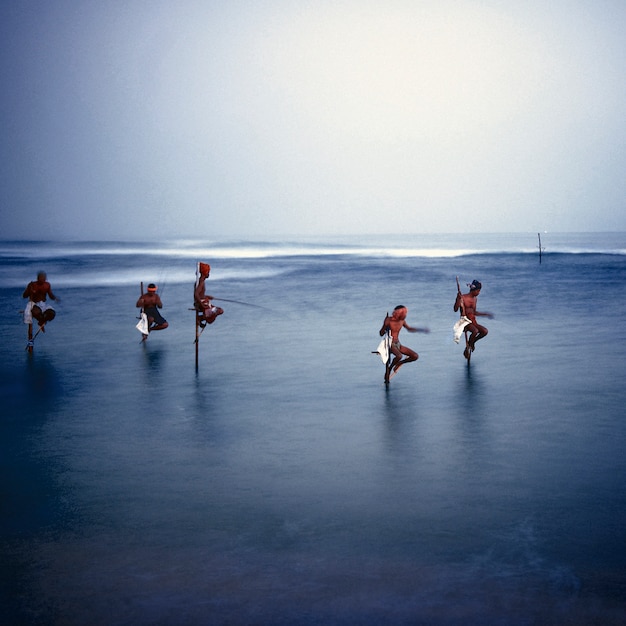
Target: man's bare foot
x,y
466,352
396,367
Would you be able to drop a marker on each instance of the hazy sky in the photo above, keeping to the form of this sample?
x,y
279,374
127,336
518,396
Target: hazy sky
x,y
232,119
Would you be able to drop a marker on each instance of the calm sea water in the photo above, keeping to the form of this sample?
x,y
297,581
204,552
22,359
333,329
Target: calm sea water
x,y
283,483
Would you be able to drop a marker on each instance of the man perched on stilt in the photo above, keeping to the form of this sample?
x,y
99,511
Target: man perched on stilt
x,y
207,312
150,303
467,303
38,308
395,323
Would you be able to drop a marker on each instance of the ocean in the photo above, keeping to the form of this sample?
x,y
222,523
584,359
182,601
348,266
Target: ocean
x,y
282,482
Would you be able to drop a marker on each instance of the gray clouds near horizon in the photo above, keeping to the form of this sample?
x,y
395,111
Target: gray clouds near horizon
x,y
255,119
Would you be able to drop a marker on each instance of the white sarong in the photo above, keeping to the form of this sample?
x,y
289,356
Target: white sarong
x,y
384,347
142,326
459,327
28,311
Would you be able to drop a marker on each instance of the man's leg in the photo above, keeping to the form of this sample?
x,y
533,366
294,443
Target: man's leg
x,y
410,355
480,332
211,313
38,315
473,331
397,356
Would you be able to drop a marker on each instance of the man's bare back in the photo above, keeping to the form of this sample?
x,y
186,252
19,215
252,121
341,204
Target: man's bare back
x,y
150,299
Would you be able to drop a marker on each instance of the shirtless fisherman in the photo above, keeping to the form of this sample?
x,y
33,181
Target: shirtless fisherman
x,y
37,307
150,302
467,303
396,322
201,301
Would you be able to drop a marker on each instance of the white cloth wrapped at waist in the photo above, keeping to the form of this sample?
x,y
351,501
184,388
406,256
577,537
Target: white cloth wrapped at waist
x,y
142,326
459,327
383,348
28,311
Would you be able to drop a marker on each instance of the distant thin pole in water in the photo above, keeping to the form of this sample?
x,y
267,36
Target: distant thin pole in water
x,y
540,248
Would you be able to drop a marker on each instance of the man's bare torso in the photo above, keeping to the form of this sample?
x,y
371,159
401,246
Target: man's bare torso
x,y
469,305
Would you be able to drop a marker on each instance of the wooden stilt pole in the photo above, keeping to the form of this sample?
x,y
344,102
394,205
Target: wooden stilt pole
x,y
197,337
540,248
31,338
467,345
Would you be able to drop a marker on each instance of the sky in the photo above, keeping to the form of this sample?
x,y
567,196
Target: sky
x,y
267,118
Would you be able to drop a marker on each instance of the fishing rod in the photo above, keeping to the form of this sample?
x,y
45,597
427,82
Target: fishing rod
x,y
162,280
458,289
257,306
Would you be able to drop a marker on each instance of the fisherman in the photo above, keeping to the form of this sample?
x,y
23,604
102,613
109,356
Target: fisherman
x,y
467,303
201,301
150,302
395,323
37,307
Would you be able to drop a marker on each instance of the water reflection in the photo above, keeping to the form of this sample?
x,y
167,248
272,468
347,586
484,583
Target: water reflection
x,y
471,437
40,384
31,396
472,381
401,412
153,357
470,393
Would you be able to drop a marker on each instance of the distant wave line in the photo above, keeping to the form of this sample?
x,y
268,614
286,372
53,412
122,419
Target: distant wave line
x,y
270,250
87,279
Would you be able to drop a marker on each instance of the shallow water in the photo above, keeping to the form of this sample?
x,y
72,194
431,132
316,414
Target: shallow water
x,y
284,483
